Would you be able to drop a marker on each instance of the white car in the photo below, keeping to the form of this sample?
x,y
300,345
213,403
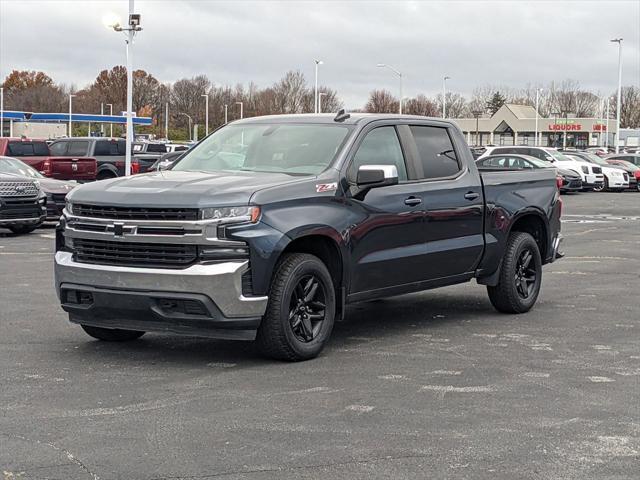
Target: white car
x,y
615,178
591,174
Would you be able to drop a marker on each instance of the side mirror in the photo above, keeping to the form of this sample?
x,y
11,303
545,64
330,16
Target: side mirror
x,y
373,176
549,158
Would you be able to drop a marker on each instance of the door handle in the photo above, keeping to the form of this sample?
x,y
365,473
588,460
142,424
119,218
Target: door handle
x,y
412,201
471,195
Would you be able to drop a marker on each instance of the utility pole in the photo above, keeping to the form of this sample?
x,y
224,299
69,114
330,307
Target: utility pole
x,y
538,90
166,120
241,109
315,95
226,113
70,114
206,113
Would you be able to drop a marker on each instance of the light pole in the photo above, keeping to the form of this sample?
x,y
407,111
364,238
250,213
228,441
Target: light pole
x,y
444,96
320,95
619,42
241,109
190,121
606,137
206,113
70,113
166,120
315,95
110,105
384,65
130,30
226,113
1,111
538,90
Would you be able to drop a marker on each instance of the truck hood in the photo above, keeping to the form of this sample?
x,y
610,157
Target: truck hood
x,y
179,189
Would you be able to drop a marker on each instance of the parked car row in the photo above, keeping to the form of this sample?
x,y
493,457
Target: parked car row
x,y
616,172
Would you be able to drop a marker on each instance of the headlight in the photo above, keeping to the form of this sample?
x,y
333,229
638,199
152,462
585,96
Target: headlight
x,y
36,183
231,214
69,207
585,169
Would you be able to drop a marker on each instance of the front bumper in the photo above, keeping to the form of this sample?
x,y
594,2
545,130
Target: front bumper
x,y
202,300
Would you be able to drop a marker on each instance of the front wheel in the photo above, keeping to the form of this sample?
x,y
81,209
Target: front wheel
x,y
22,229
301,309
601,186
520,276
112,334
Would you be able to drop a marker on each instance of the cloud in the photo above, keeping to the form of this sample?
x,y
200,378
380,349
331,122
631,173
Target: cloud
x,y
474,42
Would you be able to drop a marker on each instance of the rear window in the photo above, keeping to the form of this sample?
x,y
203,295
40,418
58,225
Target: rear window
x,y
106,148
78,148
28,149
436,151
156,148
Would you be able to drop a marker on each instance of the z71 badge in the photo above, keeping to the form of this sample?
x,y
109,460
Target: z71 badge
x,y
326,187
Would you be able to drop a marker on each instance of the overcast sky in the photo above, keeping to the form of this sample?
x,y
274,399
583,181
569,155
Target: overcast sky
x,y
474,42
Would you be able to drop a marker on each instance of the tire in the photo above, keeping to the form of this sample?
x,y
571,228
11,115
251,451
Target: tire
x,y
23,229
638,187
603,187
105,175
300,315
112,334
511,295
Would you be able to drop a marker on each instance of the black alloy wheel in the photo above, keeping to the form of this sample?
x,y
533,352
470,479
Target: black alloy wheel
x,y
526,274
307,308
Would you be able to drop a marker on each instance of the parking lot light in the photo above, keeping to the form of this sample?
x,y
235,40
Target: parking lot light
x,y
384,65
241,109
538,91
133,26
444,96
70,113
619,42
316,107
320,95
206,113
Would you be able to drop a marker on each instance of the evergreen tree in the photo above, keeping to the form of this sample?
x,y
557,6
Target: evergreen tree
x,y
497,100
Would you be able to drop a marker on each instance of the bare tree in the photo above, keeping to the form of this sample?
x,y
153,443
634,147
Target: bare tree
x,y
381,101
629,107
421,105
456,104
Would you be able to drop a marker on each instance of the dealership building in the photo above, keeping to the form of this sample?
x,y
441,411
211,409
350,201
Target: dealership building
x,y
516,125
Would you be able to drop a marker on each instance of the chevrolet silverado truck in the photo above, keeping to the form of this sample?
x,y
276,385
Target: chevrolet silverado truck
x,y
271,226
36,154
22,203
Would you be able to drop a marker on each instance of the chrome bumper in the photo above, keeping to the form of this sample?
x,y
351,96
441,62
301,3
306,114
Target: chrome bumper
x,y
221,282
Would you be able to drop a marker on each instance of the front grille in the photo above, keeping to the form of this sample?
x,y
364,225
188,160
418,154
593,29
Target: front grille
x,y
18,189
131,254
135,213
58,197
575,184
13,209
597,170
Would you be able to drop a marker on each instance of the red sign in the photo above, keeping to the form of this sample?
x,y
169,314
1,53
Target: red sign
x,y
562,126
599,128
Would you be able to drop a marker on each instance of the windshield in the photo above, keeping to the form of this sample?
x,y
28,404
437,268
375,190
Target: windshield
x,y
558,156
596,159
11,165
293,149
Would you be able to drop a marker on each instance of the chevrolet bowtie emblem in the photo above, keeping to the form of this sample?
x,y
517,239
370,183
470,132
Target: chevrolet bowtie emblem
x,y
119,229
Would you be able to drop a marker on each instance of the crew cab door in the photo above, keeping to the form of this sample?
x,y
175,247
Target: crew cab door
x,y
452,198
387,240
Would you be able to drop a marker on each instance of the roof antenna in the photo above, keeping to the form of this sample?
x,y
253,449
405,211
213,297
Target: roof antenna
x,y
341,116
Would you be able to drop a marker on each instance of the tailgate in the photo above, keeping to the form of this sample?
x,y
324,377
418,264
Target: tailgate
x,y
72,168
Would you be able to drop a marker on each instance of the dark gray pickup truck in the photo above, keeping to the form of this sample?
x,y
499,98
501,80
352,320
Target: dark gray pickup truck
x,y
270,226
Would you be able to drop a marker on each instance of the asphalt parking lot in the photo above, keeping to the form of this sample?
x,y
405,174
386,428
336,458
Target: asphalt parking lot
x,y
430,385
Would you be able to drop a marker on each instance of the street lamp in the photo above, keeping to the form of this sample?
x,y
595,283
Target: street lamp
x,y
241,109
555,114
130,30
226,115
190,121
384,65
538,90
619,42
206,113
320,95
166,121
477,114
70,110
606,138
1,111
316,107
110,105
444,96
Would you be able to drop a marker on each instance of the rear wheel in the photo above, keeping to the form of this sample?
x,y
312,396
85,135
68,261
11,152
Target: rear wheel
x,y
104,175
520,276
112,334
22,229
301,309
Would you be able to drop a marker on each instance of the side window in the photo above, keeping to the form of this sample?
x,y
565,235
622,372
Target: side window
x,y
58,149
380,147
541,154
436,152
102,148
122,148
77,148
500,151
